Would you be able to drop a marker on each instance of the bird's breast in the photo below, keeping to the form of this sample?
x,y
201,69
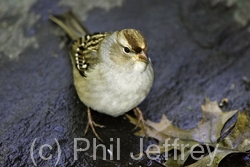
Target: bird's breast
x,y
114,93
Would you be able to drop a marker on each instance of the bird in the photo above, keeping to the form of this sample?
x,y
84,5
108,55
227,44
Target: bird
x,y
111,70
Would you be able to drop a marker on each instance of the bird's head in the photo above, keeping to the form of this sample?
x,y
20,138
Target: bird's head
x,y
130,49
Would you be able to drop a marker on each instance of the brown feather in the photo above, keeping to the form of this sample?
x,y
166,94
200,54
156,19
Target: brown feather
x,y
135,39
83,51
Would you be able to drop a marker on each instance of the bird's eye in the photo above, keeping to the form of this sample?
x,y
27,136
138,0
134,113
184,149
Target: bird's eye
x,y
126,49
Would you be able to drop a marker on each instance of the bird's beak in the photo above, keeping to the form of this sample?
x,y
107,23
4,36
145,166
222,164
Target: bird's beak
x,y
142,57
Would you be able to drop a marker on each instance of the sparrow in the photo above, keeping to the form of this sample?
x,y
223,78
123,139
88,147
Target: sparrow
x,y
111,70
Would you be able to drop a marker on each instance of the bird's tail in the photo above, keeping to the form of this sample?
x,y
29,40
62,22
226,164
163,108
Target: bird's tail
x,y
71,24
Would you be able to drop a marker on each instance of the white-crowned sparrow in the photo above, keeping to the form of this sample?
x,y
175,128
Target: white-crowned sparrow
x,y
112,73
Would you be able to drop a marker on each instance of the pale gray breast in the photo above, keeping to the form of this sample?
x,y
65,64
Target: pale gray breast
x,y
121,93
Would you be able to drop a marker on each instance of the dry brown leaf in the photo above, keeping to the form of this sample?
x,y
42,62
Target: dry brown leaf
x,y
213,121
207,132
239,138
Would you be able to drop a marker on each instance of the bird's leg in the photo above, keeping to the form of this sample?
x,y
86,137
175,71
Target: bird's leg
x,y
92,124
140,119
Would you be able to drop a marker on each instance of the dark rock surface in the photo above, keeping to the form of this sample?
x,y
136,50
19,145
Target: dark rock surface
x,y
198,49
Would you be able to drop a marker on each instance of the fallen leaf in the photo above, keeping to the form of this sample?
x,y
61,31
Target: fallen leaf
x,y
206,134
208,130
239,138
213,121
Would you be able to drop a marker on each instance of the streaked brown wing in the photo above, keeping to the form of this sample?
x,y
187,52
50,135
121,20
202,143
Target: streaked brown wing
x,y
84,51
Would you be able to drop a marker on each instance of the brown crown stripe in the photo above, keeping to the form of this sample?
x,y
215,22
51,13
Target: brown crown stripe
x,y
135,40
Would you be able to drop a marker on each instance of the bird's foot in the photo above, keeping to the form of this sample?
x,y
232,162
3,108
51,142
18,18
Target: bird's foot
x,y
92,124
140,119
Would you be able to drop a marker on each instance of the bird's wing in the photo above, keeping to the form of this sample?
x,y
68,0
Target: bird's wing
x,y
84,51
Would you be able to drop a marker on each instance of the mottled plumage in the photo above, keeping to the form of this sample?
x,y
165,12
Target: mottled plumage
x,y
113,81
112,73
84,49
